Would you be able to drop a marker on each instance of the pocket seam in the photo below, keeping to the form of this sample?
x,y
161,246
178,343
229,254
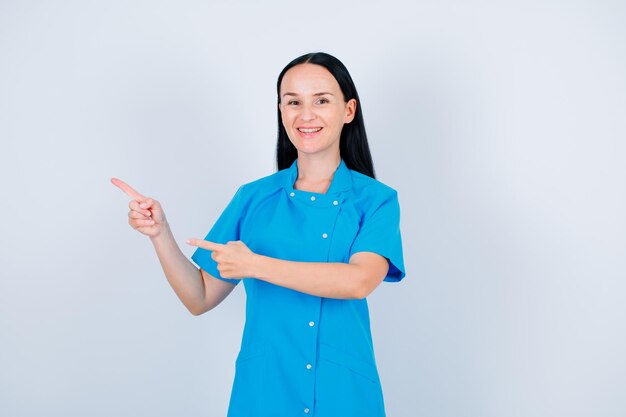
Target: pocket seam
x,y
353,364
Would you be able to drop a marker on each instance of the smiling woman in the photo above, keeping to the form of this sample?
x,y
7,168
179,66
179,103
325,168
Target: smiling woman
x,y
313,108
310,242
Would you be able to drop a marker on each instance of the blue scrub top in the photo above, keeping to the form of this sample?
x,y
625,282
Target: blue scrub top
x,y
302,354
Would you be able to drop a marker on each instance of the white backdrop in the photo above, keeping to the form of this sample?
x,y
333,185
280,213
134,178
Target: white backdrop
x,y
501,124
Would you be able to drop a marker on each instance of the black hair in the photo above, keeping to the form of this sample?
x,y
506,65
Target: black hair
x,y
353,146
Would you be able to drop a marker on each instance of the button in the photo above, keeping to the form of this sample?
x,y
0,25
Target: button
x,y
292,193
312,198
306,411
309,366
324,235
335,202
311,323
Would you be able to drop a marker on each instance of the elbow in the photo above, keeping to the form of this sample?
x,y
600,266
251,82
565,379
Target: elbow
x,y
361,289
360,293
195,311
198,309
364,284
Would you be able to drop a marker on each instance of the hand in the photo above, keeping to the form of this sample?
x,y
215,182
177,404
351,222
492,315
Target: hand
x,y
146,214
234,259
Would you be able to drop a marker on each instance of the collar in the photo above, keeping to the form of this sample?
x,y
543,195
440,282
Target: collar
x,y
342,179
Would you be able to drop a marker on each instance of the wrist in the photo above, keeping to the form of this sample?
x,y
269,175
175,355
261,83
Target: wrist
x,y
258,262
164,234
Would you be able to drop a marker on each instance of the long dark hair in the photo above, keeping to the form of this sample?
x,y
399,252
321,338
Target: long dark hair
x,y
353,146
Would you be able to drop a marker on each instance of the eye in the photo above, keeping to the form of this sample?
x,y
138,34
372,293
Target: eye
x,y
323,100
293,102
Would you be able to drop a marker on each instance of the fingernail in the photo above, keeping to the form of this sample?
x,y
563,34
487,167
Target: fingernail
x,y
142,205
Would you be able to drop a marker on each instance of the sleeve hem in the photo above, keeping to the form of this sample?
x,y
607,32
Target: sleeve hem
x,y
210,268
395,273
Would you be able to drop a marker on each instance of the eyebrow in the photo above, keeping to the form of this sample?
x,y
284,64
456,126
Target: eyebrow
x,y
316,94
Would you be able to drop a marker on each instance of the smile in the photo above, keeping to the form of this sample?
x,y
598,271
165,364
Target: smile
x,y
309,130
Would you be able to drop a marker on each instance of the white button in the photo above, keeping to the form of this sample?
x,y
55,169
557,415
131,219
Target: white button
x,y
306,411
312,198
311,323
335,202
292,193
309,366
324,235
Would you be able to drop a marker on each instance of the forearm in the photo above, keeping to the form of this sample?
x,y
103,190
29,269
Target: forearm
x,y
184,277
322,279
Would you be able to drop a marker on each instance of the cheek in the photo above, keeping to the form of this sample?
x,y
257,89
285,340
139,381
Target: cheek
x,y
287,125
286,118
335,119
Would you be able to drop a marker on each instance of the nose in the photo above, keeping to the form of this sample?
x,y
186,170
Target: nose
x,y
307,112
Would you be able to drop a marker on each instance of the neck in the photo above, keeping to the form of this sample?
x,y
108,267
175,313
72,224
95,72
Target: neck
x,y
313,169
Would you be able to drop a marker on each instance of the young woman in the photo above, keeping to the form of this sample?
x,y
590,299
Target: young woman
x,y
310,242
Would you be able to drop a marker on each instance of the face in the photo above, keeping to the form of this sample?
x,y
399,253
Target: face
x,y
312,108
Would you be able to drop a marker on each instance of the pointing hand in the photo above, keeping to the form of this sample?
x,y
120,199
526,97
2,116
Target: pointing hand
x,y
146,214
234,259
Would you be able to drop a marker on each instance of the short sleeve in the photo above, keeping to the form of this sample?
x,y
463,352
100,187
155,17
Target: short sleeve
x,y
225,229
380,233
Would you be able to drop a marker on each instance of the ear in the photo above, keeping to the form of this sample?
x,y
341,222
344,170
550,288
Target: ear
x,y
350,110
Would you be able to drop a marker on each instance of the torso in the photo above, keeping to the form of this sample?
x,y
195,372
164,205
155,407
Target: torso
x,y
300,351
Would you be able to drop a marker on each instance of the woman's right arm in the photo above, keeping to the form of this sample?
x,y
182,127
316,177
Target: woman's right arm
x,y
198,290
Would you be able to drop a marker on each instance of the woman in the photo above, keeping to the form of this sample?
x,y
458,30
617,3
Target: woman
x,y
310,242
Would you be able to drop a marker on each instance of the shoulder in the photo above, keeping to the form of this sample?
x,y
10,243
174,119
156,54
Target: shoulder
x,y
369,192
377,206
264,185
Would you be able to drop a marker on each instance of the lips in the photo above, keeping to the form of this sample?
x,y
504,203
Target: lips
x,y
309,132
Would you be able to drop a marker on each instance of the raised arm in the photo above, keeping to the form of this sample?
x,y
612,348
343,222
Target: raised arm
x,y
198,290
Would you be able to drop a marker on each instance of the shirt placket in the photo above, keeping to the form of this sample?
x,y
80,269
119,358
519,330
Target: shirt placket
x,y
325,208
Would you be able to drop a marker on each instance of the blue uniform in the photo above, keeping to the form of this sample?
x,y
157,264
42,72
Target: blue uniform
x,y
302,354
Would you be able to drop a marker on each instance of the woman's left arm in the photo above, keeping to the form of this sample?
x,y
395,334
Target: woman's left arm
x,y
353,280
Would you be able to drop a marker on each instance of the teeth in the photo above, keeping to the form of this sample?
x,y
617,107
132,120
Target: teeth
x,y
310,130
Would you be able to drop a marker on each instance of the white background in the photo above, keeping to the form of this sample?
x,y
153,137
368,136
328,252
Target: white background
x,y
501,124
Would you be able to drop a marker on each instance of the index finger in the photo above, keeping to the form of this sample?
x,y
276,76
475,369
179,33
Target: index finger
x,y
127,189
205,244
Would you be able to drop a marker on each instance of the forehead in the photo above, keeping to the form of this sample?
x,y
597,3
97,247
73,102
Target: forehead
x,y
308,78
